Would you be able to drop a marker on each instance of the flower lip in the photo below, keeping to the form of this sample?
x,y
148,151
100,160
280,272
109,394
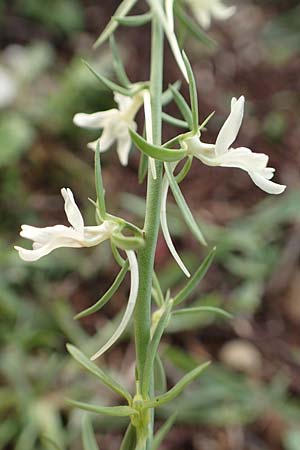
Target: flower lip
x,y
47,239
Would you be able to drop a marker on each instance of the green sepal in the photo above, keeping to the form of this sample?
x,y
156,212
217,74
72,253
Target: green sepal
x,y
99,184
155,151
121,11
129,440
192,27
182,106
108,83
177,389
174,121
134,21
153,347
195,279
108,294
127,242
193,94
88,436
184,171
186,213
200,310
118,64
115,411
163,431
97,372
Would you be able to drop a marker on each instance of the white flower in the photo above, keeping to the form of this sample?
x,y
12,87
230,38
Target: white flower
x,y
8,88
134,285
221,153
206,10
47,239
115,124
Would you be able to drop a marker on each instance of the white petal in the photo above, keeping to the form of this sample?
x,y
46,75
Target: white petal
x,y
94,235
123,149
72,211
203,17
95,120
165,229
222,12
230,129
124,102
107,138
169,7
244,158
134,279
266,185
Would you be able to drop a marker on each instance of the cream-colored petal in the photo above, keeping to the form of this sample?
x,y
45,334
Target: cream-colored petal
x,y
72,211
94,235
169,7
230,129
123,101
123,148
107,138
134,285
165,228
95,120
266,185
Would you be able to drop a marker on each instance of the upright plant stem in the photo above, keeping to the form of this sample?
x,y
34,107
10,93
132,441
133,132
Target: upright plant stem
x,y
146,255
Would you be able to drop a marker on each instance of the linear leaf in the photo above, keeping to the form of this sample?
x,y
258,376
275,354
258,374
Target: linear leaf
x,y
182,106
177,389
121,11
108,83
118,64
108,294
195,279
157,287
193,28
129,440
50,444
167,95
174,121
88,437
201,309
185,211
153,347
163,431
134,21
116,411
193,94
97,372
156,152
160,377
99,183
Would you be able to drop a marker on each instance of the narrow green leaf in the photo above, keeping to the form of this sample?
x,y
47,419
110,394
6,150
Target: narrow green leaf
x,y
156,152
118,64
121,11
182,106
193,93
174,121
134,21
99,184
88,437
115,411
153,347
201,309
50,444
108,83
185,170
204,123
192,27
195,279
116,254
167,95
163,431
177,389
160,377
157,288
185,211
97,372
108,294
129,440
143,167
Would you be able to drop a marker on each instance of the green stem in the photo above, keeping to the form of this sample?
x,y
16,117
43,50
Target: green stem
x,y
142,319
